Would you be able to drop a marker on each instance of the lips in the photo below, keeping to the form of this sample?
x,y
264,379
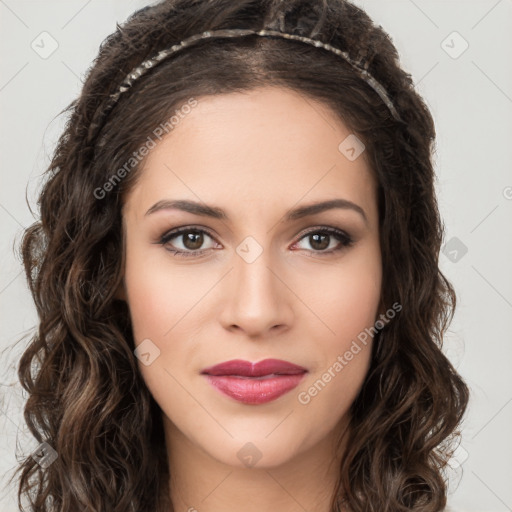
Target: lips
x,y
241,368
254,383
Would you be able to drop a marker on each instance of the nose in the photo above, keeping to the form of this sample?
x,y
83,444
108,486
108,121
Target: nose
x,y
257,298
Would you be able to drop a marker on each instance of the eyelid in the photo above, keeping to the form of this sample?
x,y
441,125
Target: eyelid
x,y
342,235
175,232
323,228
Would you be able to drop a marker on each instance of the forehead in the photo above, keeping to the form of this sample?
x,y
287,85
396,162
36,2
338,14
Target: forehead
x,y
265,146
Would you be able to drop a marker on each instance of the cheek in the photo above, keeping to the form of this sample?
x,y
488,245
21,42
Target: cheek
x,y
344,296
149,304
354,304
346,301
344,354
159,292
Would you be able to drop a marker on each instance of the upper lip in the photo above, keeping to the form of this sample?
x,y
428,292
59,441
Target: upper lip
x,y
248,369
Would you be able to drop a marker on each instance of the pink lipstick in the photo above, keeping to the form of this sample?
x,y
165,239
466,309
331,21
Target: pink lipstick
x,y
254,383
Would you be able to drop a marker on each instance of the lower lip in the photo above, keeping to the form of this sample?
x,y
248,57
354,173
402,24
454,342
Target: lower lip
x,y
252,390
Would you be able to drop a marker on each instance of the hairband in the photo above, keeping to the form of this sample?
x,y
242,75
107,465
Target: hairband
x,y
137,72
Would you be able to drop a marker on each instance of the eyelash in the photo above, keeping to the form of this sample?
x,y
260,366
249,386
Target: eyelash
x,y
345,240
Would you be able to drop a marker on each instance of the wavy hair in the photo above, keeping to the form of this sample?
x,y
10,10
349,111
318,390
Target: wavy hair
x,y
86,397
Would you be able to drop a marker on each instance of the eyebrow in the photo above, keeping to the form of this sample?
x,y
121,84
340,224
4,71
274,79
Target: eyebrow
x,y
218,213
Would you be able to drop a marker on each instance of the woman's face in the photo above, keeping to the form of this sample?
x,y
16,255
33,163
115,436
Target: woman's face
x,y
254,278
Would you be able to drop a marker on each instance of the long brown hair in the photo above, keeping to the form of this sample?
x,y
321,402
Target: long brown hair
x,y
87,399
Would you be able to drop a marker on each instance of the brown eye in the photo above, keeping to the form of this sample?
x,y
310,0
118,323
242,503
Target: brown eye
x,y
319,241
186,241
193,240
324,240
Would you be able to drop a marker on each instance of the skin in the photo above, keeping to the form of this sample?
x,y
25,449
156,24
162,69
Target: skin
x,y
256,155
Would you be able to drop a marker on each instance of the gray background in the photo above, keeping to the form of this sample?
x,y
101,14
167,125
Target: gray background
x,y
470,95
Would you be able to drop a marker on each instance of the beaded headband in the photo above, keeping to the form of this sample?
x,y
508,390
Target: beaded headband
x,y
359,67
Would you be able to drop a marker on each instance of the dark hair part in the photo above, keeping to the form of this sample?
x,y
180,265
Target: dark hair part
x,y
86,396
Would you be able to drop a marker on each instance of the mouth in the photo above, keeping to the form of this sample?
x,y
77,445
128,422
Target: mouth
x,y
254,383
241,368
